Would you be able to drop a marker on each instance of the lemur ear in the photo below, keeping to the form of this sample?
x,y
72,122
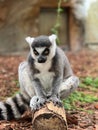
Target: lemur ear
x,y
52,38
29,40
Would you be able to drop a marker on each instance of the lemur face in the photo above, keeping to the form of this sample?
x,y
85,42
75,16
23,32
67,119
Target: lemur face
x,y
41,54
42,48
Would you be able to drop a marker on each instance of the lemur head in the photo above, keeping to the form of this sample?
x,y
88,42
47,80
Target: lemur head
x,y
42,48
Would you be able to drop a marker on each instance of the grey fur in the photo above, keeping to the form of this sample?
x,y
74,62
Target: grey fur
x,y
61,70
41,82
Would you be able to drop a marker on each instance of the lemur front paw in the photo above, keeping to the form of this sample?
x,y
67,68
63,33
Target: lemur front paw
x,y
37,102
55,100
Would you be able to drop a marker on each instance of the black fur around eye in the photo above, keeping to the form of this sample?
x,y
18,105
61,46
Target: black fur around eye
x,y
46,51
35,52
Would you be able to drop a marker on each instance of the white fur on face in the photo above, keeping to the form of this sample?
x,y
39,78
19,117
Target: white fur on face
x,y
32,54
40,49
52,48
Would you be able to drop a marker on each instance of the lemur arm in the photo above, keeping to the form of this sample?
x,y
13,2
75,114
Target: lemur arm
x,y
62,70
38,88
55,95
40,98
70,81
56,85
66,82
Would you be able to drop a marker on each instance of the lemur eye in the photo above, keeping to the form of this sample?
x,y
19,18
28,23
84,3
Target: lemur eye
x,y
46,51
35,52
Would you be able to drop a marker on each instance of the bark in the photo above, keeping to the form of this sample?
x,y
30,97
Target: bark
x,y
49,117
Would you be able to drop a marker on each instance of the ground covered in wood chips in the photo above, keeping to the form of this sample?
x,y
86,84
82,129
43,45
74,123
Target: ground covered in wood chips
x,y
84,64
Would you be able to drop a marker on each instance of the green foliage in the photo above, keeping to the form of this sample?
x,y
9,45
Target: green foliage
x,y
17,83
70,102
81,98
89,81
57,25
82,85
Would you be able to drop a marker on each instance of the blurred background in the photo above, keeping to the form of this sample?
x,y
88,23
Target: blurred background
x,y
22,18
75,22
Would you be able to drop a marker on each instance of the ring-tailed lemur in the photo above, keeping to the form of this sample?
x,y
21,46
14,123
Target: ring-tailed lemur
x,y
45,76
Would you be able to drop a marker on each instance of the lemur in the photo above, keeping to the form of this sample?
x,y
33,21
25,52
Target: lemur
x,y
45,76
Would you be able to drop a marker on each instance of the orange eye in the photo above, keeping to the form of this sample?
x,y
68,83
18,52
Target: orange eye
x,y
46,51
35,52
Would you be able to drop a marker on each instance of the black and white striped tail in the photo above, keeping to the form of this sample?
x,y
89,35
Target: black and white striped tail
x,y
13,107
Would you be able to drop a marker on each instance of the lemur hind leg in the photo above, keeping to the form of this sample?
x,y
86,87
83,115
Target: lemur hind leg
x,y
68,86
26,86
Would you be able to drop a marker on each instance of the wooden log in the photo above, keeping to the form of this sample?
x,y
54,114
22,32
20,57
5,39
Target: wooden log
x,y
49,117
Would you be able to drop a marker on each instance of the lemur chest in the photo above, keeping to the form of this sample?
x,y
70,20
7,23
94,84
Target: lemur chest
x,y
45,76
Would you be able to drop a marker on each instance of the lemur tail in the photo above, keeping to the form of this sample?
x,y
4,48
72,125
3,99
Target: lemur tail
x,y
13,107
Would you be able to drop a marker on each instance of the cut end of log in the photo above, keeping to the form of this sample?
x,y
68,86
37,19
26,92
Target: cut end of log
x,y
50,117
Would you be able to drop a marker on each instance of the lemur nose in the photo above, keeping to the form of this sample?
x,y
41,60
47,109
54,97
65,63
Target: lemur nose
x,y
41,59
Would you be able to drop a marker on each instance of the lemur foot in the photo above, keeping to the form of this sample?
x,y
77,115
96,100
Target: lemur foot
x,y
37,102
55,100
